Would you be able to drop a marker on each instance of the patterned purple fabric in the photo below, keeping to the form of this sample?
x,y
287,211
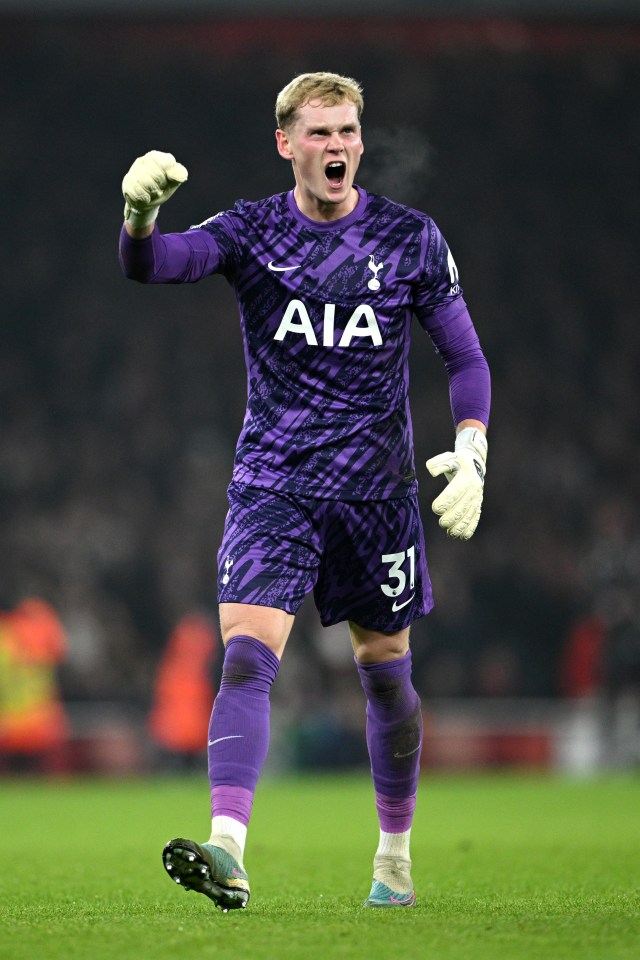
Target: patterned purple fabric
x,y
365,561
326,311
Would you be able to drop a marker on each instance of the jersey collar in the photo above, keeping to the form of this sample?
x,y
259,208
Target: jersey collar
x,y
350,218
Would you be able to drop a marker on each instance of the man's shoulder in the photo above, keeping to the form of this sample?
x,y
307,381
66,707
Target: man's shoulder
x,y
277,202
246,210
380,206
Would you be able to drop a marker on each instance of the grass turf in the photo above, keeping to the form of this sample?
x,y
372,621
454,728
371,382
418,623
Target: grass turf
x,y
504,867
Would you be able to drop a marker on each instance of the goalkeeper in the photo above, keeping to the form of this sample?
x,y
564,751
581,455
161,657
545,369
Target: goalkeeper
x,y
323,495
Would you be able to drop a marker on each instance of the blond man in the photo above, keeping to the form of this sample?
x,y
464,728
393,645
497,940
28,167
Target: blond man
x,y
323,496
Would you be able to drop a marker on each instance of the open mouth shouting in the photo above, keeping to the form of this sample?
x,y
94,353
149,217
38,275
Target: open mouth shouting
x,y
335,172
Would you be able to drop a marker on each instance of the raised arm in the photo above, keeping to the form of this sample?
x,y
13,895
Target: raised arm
x,y
147,255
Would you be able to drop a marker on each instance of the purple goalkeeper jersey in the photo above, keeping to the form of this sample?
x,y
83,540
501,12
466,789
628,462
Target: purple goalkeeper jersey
x,y
326,310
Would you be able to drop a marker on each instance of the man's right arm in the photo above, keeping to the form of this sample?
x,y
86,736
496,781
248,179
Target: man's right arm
x,y
147,255
168,257
138,233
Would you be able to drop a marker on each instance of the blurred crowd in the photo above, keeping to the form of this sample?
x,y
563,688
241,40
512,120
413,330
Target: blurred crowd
x,y
121,404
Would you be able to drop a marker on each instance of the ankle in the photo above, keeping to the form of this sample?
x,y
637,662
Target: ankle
x,y
394,844
394,872
231,829
226,842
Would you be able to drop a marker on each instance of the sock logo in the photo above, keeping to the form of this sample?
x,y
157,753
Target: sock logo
x,y
399,756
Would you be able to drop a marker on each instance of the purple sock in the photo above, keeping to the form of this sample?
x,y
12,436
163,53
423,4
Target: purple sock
x,y
395,814
239,727
394,739
234,802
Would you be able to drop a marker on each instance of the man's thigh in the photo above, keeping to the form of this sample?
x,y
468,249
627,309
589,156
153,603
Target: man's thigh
x,y
365,560
269,555
374,568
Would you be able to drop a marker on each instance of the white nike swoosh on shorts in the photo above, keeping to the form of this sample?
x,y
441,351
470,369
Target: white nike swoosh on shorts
x,y
234,736
272,266
398,606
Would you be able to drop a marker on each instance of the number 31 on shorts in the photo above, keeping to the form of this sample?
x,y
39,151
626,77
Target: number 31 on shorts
x,y
397,577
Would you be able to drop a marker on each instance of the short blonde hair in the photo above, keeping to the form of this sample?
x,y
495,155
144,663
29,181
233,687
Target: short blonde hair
x,y
330,88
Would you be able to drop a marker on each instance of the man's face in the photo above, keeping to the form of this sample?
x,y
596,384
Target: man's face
x,y
325,147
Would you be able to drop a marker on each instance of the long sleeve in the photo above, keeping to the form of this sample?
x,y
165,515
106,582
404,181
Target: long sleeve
x,y
454,337
169,257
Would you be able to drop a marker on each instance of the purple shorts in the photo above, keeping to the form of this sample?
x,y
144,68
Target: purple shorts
x,y
365,561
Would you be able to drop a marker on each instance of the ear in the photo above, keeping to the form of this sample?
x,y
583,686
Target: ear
x,y
282,141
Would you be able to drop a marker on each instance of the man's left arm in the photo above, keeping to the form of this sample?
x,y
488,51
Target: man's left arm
x,y
460,503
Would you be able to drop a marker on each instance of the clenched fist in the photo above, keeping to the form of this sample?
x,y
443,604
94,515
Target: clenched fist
x,y
149,183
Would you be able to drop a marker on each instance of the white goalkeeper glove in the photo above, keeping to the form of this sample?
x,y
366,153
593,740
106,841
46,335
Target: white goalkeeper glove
x,y
460,503
149,183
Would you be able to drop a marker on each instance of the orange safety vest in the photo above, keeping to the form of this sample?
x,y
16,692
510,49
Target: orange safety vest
x,y
184,693
32,644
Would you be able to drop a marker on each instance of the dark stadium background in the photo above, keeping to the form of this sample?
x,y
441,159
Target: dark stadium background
x,y
519,132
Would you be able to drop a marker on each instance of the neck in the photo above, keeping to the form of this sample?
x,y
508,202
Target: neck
x,y
323,211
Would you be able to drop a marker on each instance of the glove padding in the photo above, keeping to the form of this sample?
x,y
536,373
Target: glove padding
x,y
460,503
149,183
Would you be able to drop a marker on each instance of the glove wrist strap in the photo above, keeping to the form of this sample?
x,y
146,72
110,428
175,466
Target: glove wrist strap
x,y
472,439
140,218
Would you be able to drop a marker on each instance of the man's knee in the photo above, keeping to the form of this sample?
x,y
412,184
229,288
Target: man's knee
x,y
372,646
266,624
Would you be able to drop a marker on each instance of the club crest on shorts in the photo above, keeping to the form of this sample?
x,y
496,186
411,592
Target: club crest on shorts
x,y
227,570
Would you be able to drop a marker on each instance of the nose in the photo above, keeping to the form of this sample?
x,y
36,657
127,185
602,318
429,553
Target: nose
x,y
335,142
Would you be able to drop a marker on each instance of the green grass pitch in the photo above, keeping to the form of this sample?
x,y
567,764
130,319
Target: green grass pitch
x,y
504,867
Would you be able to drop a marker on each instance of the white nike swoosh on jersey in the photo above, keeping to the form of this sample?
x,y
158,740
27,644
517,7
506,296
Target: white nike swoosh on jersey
x,y
275,269
234,736
398,606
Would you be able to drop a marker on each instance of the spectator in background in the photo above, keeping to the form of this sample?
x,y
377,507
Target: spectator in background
x,y
601,656
184,692
34,728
